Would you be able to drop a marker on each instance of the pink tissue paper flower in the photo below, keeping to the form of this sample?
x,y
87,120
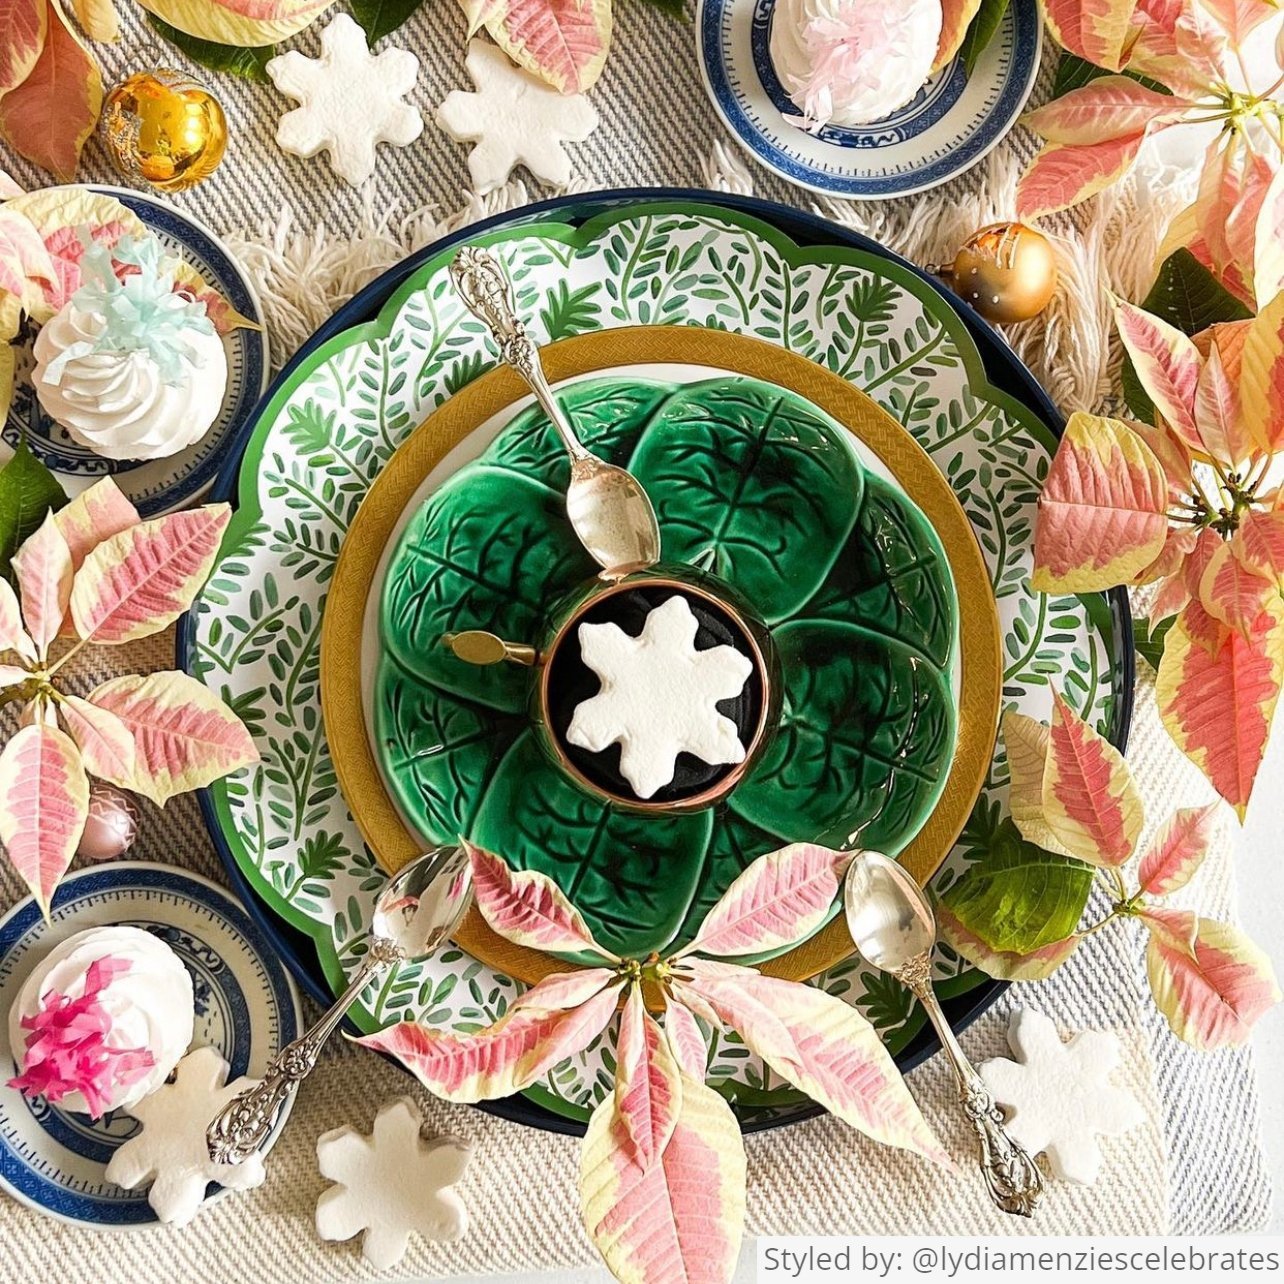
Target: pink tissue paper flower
x,y
67,1048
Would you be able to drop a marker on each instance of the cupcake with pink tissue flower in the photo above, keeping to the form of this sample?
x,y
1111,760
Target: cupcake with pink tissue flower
x,y
850,62
101,1021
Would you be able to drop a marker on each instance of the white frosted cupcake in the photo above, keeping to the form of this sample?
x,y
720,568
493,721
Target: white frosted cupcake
x,y
101,1021
850,62
131,369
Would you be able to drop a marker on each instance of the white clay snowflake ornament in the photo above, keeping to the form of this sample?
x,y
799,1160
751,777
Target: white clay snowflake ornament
x,y
1059,1095
349,100
515,120
170,1151
659,696
390,1183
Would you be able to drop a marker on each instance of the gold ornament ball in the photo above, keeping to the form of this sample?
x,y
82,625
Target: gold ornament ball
x,y
163,128
1006,271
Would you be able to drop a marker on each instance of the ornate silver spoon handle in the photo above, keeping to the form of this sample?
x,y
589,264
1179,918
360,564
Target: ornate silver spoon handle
x,y
1013,1178
487,293
242,1126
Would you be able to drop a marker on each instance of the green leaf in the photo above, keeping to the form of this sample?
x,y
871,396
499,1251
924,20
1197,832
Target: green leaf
x,y
751,483
379,18
989,17
28,490
1149,641
1018,898
608,414
488,551
568,311
1186,295
864,743
892,576
633,877
249,64
1074,72
438,753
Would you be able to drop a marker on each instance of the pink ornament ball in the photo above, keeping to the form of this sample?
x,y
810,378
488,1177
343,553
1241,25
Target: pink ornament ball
x,y
112,825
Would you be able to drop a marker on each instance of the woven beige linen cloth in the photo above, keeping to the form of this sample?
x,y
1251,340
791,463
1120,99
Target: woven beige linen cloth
x,y
1194,1166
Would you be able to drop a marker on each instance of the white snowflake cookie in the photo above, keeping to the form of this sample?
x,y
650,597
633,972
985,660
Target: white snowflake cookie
x,y
659,696
1059,1095
515,120
349,100
170,1152
390,1183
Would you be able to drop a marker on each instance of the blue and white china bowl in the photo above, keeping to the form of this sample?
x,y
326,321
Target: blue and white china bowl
x,y
246,1007
159,485
952,122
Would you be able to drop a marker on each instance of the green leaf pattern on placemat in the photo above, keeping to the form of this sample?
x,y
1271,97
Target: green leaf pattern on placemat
x,y
335,425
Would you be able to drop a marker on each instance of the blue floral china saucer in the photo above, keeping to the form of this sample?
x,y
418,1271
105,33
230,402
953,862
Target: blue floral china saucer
x,y
246,1006
159,485
950,124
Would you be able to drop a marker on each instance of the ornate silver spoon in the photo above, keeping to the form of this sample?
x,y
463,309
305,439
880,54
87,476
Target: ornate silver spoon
x,y
894,929
607,507
417,912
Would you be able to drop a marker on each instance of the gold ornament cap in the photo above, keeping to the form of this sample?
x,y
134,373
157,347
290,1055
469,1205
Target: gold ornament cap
x,y
1006,271
163,128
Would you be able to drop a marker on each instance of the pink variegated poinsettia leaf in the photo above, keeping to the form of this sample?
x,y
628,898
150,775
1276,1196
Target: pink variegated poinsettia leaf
x,y
528,908
22,254
1261,381
1219,422
837,1057
1103,512
1173,455
1168,365
1240,18
956,18
1064,174
49,116
1261,543
1026,741
42,567
106,744
680,1218
1177,850
1217,691
774,903
12,675
13,637
1233,591
1100,31
1260,234
562,990
1089,799
24,23
1179,544
648,1086
1211,982
44,802
1004,965
563,42
185,737
1108,108
94,515
686,1039
142,579
506,1057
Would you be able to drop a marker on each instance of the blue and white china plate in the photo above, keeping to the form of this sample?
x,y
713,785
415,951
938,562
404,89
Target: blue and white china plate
x,y
952,122
160,485
246,1007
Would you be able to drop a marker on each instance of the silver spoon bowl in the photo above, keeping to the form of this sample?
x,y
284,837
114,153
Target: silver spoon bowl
x,y
607,507
417,912
893,927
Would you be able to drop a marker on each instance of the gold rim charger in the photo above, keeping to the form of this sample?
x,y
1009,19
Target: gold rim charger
x,y
981,668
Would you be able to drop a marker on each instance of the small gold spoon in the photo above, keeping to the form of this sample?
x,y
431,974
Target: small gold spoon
x,y
607,507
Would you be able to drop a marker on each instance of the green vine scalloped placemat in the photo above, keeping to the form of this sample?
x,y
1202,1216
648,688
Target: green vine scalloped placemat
x,y
343,412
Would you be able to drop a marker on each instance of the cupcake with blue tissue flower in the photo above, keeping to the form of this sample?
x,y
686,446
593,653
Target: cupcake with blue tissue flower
x,y
132,368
